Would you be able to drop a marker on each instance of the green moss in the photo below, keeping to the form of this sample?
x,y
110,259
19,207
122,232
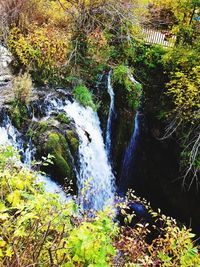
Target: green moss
x,y
62,118
30,133
83,95
57,146
73,141
19,114
62,166
120,73
53,140
131,91
40,129
16,118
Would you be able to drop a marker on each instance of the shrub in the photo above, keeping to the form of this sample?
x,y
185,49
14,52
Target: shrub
x,y
171,244
37,228
42,50
184,90
22,86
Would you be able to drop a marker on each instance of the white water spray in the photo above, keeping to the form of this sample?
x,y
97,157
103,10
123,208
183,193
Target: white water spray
x,y
95,180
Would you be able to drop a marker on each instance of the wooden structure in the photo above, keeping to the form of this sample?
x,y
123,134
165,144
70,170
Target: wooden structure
x,y
160,37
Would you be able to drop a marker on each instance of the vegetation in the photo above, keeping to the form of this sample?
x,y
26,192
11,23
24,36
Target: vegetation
x,y
83,95
61,117
171,78
38,228
60,39
22,86
122,75
70,43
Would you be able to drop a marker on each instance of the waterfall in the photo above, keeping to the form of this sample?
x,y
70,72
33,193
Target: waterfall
x,y
95,179
110,117
10,136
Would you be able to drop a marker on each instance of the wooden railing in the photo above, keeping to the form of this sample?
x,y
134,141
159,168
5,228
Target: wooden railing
x,y
161,37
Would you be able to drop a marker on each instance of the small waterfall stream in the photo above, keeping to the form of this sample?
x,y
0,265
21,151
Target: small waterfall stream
x,y
130,151
128,161
110,117
11,137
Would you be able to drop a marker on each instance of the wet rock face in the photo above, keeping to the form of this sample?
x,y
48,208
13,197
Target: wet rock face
x,y
122,122
123,126
101,93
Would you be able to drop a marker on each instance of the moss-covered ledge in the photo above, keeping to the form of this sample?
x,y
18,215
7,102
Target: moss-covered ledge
x,y
127,100
57,136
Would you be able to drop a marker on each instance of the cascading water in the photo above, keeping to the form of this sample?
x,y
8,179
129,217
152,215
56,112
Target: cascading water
x,y
10,136
95,180
110,117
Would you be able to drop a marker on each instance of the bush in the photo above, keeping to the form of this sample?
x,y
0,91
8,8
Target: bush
x,y
184,90
83,95
43,51
163,242
37,228
22,86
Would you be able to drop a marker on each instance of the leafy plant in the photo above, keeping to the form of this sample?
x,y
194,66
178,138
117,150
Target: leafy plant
x,y
42,50
171,246
38,228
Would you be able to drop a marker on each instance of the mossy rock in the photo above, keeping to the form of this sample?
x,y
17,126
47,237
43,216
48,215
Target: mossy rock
x,y
58,139
40,128
62,118
19,115
73,142
127,99
62,169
